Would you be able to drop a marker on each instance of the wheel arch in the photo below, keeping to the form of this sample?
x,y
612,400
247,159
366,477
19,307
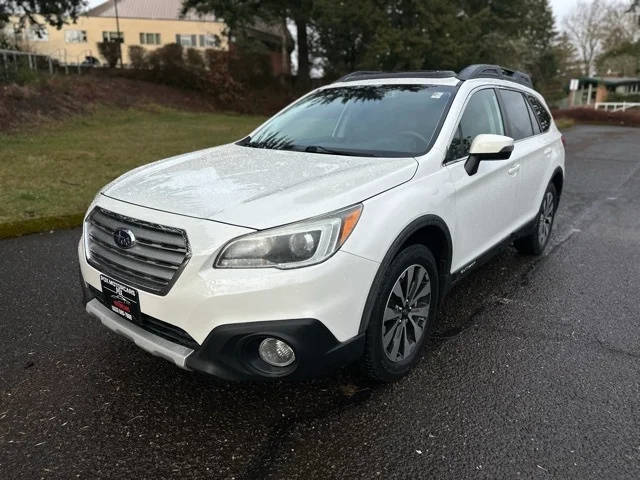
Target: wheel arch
x,y
429,230
558,180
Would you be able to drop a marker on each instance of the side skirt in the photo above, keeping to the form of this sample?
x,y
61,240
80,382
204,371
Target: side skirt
x,y
461,273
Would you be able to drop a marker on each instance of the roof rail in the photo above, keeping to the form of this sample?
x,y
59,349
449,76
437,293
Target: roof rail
x,y
495,71
373,75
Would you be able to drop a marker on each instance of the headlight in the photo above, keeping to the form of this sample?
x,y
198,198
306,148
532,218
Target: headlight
x,y
296,245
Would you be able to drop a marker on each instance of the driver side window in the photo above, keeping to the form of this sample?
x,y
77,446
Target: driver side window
x,y
481,115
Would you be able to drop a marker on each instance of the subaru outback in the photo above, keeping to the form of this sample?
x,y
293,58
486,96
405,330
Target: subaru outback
x,y
331,233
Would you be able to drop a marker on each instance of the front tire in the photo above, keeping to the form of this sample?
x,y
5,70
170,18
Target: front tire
x,y
403,313
535,242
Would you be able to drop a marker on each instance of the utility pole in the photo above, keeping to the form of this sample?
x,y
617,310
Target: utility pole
x,y
119,39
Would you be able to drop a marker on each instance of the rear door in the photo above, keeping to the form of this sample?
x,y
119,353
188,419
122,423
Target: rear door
x,y
484,201
535,171
531,152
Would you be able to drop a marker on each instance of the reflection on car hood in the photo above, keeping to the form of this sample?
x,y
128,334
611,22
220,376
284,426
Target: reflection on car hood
x,y
258,188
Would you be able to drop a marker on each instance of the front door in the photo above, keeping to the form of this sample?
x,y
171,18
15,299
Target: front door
x,y
485,202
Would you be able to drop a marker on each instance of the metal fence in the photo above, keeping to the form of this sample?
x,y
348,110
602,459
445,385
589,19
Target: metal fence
x,y
13,61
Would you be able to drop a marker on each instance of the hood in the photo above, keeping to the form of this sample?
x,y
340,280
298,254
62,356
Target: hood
x,y
258,188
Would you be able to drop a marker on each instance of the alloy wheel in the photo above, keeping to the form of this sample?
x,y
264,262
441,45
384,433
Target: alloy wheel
x,y
406,313
546,218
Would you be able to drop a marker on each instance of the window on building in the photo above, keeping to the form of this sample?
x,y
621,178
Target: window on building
x,y
75,36
112,36
186,40
209,41
38,33
150,39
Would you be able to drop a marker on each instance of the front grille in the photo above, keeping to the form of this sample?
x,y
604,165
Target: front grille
x,y
153,325
153,264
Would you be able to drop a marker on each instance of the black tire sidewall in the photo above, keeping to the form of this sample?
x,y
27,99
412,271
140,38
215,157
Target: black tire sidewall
x,y
378,365
539,247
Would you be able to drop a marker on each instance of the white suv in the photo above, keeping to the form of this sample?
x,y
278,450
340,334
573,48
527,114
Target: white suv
x,y
332,232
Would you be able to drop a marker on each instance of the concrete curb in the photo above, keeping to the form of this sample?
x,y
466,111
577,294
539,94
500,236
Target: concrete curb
x,y
42,224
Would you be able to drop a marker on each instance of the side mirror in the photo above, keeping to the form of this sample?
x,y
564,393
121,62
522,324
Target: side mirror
x,y
488,147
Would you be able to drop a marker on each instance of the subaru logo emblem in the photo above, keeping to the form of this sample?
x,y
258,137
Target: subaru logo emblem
x,y
124,238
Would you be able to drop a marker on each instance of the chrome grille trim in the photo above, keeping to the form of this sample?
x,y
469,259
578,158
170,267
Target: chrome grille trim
x,y
153,264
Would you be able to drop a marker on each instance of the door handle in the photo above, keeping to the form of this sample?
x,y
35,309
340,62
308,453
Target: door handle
x,y
513,171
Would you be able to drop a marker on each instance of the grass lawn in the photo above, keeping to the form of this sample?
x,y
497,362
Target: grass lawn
x,y
49,176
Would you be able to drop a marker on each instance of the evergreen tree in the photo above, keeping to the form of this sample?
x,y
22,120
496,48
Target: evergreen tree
x,y
243,13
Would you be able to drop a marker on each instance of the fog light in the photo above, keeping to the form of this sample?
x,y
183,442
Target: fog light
x,y
276,352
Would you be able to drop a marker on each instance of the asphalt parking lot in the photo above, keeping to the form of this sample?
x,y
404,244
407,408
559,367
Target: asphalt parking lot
x,y
534,371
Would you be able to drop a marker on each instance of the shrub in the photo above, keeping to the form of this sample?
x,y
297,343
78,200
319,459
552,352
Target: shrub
x,y
110,52
219,81
251,66
591,115
232,82
194,59
168,66
616,97
6,43
169,57
20,76
137,57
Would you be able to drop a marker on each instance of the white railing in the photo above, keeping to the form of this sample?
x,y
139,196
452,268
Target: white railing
x,y
616,106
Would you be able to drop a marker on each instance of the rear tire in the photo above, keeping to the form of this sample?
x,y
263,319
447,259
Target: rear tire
x,y
403,313
535,242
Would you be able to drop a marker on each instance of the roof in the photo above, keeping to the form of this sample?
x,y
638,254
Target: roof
x,y
375,75
497,72
469,73
448,81
168,10
152,9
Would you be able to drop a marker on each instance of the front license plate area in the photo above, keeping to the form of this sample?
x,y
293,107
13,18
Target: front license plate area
x,y
121,299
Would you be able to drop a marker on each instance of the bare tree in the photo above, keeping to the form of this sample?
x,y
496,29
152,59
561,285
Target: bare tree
x,y
621,40
620,25
586,29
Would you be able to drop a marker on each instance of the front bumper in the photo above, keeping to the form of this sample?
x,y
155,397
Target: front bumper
x,y
316,309
230,351
154,344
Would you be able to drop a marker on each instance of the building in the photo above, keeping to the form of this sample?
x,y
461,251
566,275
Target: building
x,y
592,90
149,24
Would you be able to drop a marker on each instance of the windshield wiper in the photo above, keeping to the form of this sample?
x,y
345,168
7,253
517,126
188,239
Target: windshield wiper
x,y
333,151
271,142
283,145
246,141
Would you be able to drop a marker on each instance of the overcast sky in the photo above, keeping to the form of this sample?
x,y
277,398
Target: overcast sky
x,y
560,7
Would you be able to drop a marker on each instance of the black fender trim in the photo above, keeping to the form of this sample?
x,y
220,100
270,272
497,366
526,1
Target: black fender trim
x,y
558,171
444,265
230,351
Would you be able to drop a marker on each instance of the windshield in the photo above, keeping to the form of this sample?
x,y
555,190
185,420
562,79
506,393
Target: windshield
x,y
367,120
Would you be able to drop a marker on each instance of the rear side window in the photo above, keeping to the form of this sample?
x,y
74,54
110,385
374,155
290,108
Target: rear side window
x,y
481,115
518,120
544,117
534,120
